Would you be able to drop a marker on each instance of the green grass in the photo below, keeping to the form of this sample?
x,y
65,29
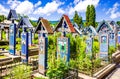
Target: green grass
x,y
32,47
20,72
40,78
2,56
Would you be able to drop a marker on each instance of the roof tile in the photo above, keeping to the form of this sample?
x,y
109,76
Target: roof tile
x,y
69,23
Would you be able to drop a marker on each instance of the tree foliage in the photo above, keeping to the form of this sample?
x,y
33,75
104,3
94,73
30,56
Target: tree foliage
x,y
33,23
2,17
77,19
87,15
90,16
118,22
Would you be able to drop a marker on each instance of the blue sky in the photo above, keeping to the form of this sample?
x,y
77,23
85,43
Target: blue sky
x,y
54,9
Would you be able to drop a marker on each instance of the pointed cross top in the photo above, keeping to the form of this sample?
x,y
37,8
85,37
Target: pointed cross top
x,y
12,15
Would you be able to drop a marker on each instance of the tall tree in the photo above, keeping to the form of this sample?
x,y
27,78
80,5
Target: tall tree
x,y
77,19
92,16
81,22
87,15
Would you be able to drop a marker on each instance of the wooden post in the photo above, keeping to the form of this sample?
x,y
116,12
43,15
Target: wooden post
x,y
7,34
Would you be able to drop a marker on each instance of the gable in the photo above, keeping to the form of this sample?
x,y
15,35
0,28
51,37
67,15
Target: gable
x,y
24,21
44,25
12,15
113,25
77,29
67,24
92,30
103,27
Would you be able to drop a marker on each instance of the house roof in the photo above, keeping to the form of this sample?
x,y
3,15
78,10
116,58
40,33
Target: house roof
x,y
43,22
25,21
67,20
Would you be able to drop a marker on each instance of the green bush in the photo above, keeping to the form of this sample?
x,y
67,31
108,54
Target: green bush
x,y
35,41
78,57
39,78
58,70
56,67
111,51
4,47
3,35
73,52
97,63
36,36
96,48
18,40
18,46
20,72
7,47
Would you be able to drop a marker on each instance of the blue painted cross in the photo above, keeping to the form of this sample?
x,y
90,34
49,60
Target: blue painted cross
x,y
118,37
12,31
63,48
43,41
24,45
12,39
89,46
30,38
112,41
104,47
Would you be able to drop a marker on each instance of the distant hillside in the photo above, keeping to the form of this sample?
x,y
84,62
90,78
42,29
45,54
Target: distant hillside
x,y
54,22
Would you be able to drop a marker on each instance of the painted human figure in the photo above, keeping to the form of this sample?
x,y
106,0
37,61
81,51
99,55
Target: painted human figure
x,y
103,40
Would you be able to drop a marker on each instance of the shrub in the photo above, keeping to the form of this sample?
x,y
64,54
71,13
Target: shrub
x,y
111,51
20,72
58,70
18,40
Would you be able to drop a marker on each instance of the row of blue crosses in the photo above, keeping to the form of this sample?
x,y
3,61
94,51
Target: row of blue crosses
x,y
24,23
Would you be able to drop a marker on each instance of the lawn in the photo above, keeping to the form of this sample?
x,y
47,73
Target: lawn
x,y
2,56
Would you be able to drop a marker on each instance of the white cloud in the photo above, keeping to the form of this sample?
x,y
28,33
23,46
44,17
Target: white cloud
x,y
76,1
34,10
3,10
49,8
81,5
114,11
25,7
60,11
37,4
33,18
13,3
